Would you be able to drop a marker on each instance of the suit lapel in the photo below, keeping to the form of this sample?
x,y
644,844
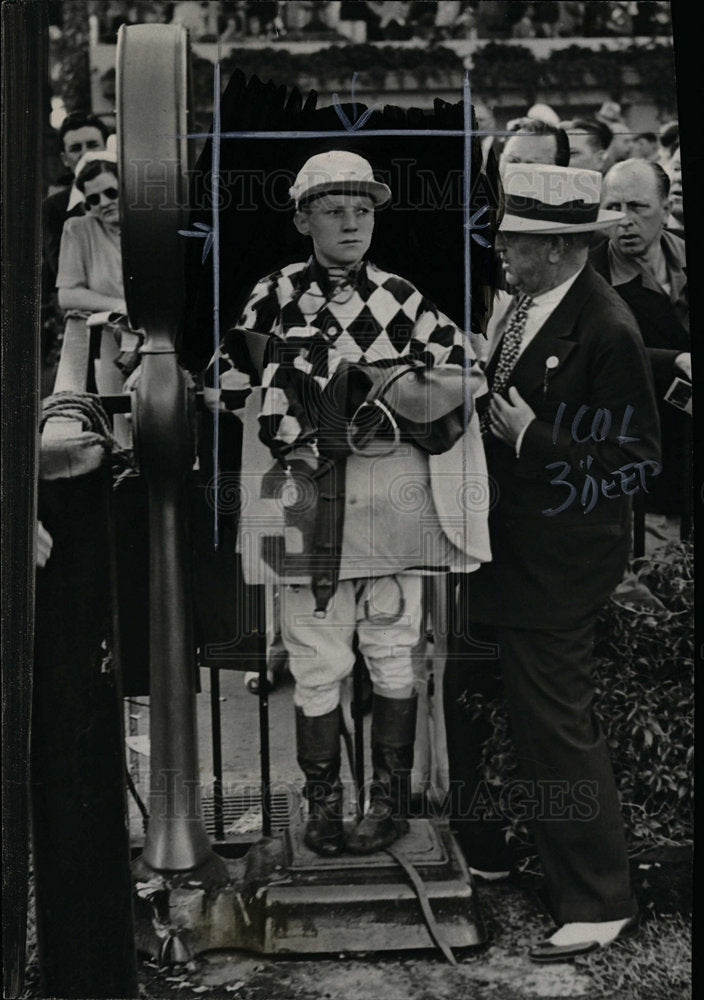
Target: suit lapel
x,y
497,324
554,336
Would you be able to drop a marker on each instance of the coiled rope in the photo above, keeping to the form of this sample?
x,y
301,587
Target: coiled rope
x,y
86,409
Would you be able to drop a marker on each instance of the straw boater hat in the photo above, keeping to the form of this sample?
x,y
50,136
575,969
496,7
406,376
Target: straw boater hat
x,y
542,198
337,172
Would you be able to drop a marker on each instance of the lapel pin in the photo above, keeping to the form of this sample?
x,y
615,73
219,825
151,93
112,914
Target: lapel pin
x,y
550,364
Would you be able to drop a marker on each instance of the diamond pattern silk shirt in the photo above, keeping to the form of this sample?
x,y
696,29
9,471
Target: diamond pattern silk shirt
x,y
374,317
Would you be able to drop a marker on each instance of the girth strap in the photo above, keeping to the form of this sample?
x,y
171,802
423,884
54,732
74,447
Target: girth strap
x,y
431,923
327,535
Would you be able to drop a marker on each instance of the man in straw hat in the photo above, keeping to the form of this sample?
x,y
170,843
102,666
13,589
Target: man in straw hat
x,y
323,314
571,433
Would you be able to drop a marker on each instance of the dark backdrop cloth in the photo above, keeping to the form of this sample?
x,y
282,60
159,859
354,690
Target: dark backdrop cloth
x,y
419,235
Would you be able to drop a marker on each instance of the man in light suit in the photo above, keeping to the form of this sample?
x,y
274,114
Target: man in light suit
x,y
571,433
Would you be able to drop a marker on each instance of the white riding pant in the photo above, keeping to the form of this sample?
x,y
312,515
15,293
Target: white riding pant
x,y
385,612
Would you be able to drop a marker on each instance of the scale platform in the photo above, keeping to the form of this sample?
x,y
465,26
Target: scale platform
x,y
283,898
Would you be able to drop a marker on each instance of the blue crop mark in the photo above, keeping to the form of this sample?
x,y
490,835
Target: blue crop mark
x,y
206,234
471,224
358,123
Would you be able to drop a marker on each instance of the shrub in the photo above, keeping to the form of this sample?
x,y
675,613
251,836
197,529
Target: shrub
x,y
566,69
645,694
506,67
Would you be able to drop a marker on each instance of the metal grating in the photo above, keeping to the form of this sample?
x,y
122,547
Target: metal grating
x,y
242,811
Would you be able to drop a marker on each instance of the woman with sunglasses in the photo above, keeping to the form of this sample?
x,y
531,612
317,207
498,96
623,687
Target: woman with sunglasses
x,y
90,262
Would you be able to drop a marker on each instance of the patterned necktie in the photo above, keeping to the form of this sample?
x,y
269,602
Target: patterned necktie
x,y
510,348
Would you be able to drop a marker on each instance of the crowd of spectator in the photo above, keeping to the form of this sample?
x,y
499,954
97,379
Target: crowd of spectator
x,y
595,142
391,20
643,258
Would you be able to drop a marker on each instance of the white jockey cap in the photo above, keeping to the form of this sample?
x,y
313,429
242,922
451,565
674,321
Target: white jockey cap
x,y
341,172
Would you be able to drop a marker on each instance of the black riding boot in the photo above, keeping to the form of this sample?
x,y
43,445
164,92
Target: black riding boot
x,y
393,735
318,745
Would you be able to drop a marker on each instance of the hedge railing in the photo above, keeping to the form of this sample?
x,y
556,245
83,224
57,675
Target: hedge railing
x,y
496,69
372,63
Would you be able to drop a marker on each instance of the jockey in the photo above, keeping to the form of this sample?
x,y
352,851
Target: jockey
x,y
391,517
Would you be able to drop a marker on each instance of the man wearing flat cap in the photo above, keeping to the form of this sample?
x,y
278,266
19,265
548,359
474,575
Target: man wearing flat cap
x,y
571,434
387,508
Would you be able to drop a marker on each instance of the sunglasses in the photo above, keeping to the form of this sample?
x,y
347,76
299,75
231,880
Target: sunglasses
x,y
94,199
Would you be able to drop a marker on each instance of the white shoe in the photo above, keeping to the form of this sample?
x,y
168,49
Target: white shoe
x,y
603,932
575,939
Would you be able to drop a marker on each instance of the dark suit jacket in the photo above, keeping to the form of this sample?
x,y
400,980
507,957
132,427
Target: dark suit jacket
x,y
665,337
555,570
